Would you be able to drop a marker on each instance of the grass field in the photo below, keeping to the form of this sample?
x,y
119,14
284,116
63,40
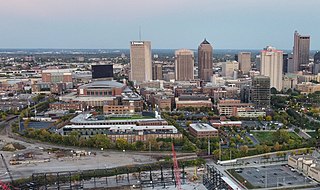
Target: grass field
x,y
267,136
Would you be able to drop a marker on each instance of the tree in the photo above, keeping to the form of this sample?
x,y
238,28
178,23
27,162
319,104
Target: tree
x,y
244,149
26,123
121,143
297,130
101,141
188,146
277,146
268,118
281,136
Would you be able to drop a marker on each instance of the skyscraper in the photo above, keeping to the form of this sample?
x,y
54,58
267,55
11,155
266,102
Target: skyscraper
x,y
205,61
260,91
285,63
244,59
157,71
301,52
272,65
229,68
184,65
316,61
140,60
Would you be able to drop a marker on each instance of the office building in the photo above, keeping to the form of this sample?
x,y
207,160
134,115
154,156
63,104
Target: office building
x,y
245,93
260,91
157,71
184,65
285,63
231,107
203,130
140,61
301,51
229,68
244,59
272,65
316,61
205,61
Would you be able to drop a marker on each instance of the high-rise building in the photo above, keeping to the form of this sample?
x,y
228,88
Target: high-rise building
x,y
229,68
244,59
205,61
184,65
260,91
316,61
257,62
157,71
140,60
285,63
245,93
301,52
272,65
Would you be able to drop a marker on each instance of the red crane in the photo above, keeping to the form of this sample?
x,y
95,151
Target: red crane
x,y
176,169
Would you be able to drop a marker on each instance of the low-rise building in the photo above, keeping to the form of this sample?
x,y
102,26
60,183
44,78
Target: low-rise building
x,y
125,127
193,101
232,107
308,165
251,113
218,124
308,87
203,130
66,106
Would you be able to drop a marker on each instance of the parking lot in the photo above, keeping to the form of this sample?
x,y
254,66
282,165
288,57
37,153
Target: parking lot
x,y
273,176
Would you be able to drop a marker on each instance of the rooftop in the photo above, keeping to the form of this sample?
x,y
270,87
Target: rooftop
x,y
202,127
103,84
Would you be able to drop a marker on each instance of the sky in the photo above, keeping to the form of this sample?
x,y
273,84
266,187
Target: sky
x,y
168,24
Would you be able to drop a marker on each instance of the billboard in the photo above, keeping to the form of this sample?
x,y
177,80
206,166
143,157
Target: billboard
x,y
102,71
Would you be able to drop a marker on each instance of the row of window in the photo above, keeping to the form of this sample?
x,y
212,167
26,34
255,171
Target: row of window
x,y
96,93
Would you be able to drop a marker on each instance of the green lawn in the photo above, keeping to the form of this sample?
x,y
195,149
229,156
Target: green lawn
x,y
267,136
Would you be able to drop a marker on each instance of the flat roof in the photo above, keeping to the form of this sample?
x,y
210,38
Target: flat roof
x,y
103,84
122,127
226,122
83,118
202,127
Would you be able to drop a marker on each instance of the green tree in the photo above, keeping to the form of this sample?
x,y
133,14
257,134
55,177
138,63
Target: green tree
x,y
268,118
244,150
281,136
121,143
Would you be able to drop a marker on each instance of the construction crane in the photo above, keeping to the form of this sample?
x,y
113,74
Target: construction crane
x,y
4,186
5,164
176,169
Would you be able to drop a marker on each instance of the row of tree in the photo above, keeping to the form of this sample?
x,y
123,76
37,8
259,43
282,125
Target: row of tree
x,y
103,141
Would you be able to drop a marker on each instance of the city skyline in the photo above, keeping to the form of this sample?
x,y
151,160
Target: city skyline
x,y
104,25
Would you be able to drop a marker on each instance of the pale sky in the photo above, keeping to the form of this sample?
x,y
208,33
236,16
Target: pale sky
x,y
227,24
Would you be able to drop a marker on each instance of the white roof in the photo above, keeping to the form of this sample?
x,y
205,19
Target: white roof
x,y
202,127
83,118
228,122
122,127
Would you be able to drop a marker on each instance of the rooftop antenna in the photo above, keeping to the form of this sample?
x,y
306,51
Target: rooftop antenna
x,y
140,33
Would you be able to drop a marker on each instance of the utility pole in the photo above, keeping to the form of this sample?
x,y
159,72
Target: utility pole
x,y
220,152
208,146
